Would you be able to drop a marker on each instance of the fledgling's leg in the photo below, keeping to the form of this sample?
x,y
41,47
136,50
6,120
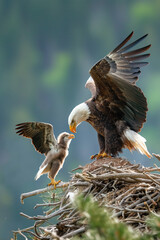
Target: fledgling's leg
x,y
55,167
53,182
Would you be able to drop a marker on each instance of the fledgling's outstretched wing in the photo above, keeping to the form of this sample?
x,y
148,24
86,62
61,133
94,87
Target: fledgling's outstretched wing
x,y
41,134
113,80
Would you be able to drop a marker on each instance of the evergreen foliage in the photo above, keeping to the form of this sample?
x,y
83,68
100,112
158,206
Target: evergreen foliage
x,y
101,226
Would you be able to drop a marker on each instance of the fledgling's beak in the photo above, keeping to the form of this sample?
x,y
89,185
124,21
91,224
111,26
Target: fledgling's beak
x,y
72,127
71,136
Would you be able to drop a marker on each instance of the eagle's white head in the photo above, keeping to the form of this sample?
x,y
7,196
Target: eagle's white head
x,y
79,114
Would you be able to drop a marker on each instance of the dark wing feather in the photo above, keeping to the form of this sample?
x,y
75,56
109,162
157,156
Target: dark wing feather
x,y
121,95
124,63
122,43
41,134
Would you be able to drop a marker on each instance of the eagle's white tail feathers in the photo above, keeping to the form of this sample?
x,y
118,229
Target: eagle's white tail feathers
x,y
135,141
40,172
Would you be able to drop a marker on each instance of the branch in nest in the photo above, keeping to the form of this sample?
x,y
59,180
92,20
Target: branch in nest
x,y
40,191
46,204
116,175
79,167
75,232
156,155
41,217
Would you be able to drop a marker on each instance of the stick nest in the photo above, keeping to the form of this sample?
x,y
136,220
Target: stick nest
x,y
130,191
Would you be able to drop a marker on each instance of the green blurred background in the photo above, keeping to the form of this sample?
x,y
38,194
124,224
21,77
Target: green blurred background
x,y
46,50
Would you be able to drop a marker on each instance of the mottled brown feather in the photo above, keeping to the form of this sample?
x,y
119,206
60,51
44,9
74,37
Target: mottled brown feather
x,y
41,134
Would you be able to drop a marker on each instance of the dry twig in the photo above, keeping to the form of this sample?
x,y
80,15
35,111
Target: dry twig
x,y
40,191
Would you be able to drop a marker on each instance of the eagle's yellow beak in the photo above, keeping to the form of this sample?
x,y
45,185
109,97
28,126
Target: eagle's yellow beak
x,y
72,127
71,136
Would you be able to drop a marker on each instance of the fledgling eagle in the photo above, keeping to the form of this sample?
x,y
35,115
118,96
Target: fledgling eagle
x,y
45,142
117,108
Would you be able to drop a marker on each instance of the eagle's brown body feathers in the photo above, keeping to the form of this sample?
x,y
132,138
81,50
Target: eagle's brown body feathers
x,y
107,127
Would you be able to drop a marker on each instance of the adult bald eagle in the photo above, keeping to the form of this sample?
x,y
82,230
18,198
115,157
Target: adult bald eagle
x,y
45,142
117,108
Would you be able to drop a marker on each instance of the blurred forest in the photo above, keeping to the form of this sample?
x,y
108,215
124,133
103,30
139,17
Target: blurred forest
x,y
46,50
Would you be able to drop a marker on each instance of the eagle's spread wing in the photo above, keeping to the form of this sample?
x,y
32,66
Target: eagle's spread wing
x,y
41,134
114,80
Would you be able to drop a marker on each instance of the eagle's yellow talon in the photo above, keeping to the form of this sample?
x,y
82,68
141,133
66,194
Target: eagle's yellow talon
x,y
93,156
101,155
105,155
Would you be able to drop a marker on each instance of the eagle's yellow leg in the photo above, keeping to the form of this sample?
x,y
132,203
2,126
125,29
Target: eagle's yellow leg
x,y
105,155
53,182
100,155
